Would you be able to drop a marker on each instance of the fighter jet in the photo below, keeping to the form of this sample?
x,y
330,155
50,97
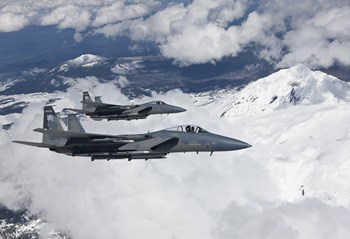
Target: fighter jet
x,y
76,142
98,110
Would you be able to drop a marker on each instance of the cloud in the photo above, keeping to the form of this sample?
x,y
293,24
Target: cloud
x,y
318,36
121,11
196,33
314,32
78,15
122,81
111,200
12,22
68,16
314,48
288,220
228,195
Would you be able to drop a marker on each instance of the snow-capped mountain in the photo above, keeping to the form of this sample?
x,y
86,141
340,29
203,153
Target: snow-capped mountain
x,y
143,72
86,60
18,225
127,68
296,119
297,85
298,122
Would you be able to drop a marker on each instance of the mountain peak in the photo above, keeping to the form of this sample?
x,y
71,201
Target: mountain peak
x,y
299,69
297,85
85,60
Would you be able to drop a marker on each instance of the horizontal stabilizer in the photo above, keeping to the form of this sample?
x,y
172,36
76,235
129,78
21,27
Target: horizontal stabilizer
x,y
41,145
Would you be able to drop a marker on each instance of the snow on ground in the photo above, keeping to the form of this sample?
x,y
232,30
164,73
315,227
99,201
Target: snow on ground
x,y
128,67
302,138
6,84
252,193
297,85
85,60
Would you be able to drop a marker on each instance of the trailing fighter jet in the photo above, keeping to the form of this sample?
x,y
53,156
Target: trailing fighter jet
x,y
76,142
98,110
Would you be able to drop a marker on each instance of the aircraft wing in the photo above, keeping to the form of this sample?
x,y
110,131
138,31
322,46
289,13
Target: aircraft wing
x,y
137,110
41,145
78,110
103,105
157,144
146,110
70,134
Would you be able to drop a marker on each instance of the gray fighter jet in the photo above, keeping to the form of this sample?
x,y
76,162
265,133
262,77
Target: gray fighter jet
x,y
98,110
76,142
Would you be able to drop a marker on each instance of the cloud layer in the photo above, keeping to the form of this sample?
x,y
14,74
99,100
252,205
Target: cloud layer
x,y
241,194
315,32
288,220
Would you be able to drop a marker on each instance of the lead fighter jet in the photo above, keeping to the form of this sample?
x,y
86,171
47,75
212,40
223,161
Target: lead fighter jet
x,y
98,110
76,142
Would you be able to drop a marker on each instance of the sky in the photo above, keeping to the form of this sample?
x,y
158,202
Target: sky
x,y
314,32
239,194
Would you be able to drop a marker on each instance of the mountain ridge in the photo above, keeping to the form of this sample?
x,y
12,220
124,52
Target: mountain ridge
x,y
297,85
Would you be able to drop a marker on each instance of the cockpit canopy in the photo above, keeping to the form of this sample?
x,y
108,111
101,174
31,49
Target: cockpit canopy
x,y
158,102
188,128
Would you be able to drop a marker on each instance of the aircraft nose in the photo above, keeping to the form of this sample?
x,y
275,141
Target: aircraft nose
x,y
227,144
176,109
240,144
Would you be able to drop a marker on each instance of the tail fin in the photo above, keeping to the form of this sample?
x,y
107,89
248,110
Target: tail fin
x,y
87,98
98,99
52,122
74,124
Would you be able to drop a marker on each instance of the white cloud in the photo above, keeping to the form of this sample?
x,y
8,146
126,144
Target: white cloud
x,y
313,47
79,15
288,220
68,16
331,22
318,37
201,31
313,32
158,26
196,33
122,81
235,194
119,11
11,22
201,44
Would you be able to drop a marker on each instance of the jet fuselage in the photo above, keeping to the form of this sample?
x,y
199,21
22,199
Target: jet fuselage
x,y
156,144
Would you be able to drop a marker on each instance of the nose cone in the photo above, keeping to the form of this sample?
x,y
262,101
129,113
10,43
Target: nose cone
x,y
175,109
228,144
237,144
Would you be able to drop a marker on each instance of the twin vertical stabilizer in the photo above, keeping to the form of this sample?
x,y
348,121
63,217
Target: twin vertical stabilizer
x,y
51,123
